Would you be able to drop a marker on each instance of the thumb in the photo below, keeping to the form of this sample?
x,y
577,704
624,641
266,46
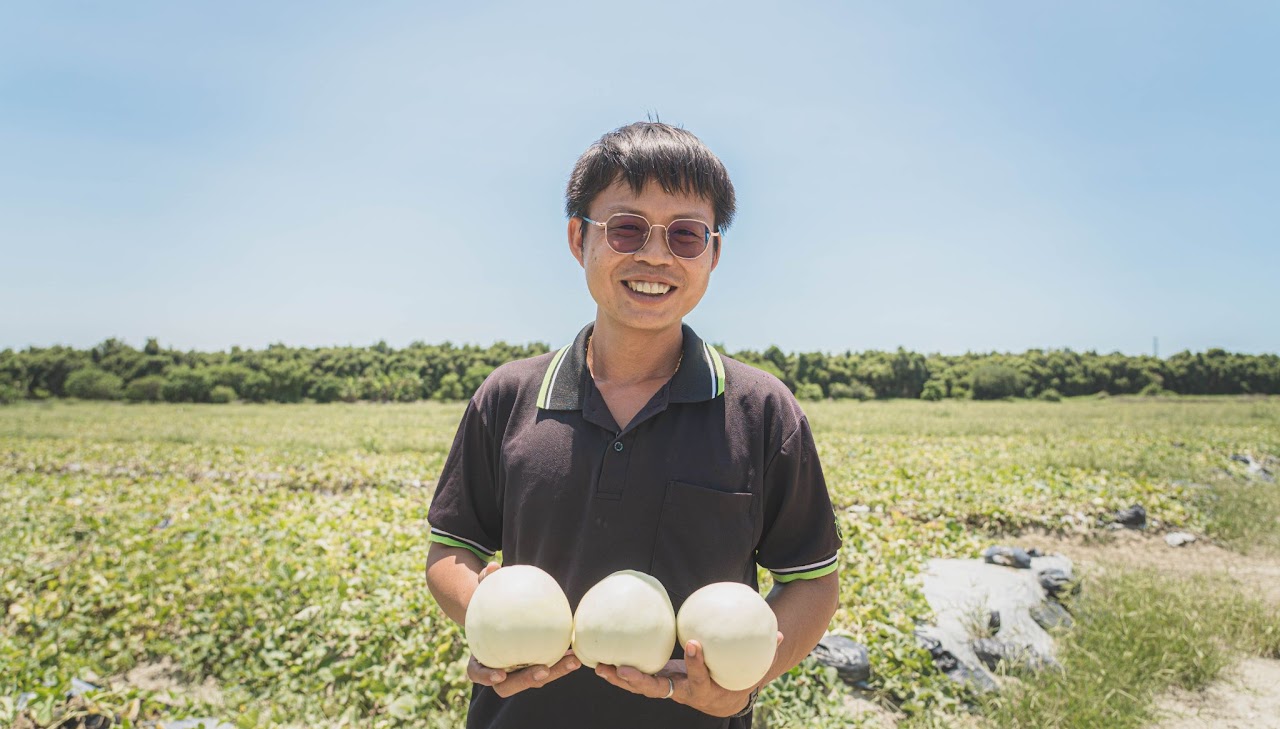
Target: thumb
x,y
488,570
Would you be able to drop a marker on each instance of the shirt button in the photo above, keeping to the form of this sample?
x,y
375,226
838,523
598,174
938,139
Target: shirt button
x,y
617,446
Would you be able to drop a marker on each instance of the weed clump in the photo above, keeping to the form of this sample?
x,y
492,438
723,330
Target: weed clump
x,y
1140,634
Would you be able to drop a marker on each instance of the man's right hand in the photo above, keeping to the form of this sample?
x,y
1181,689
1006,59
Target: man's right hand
x,y
510,683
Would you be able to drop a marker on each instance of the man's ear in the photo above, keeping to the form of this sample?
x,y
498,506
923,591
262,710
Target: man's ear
x,y
576,233
715,252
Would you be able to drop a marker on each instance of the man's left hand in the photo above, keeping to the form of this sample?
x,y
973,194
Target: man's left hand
x,y
689,682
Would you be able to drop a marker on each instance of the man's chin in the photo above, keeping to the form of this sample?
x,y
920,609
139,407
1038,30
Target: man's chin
x,y
640,323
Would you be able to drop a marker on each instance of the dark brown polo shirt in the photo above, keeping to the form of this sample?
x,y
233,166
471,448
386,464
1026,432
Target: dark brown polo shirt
x,y
716,474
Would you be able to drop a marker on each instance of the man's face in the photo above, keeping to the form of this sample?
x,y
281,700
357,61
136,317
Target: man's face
x,y
613,277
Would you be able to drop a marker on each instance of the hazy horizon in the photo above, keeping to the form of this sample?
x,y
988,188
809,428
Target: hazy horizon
x,y
1162,353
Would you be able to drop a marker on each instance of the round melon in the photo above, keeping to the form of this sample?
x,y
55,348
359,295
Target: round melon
x,y
737,629
626,619
518,616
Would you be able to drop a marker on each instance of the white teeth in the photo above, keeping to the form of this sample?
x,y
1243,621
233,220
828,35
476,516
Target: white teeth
x,y
649,287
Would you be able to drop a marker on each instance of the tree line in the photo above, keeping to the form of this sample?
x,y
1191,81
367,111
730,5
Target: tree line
x,y
114,370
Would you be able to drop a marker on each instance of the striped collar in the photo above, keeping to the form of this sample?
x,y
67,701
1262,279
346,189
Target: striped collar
x,y
699,378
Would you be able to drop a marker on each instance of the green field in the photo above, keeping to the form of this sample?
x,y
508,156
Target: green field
x,y
280,549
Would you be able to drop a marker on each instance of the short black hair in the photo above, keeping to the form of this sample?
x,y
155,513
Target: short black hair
x,y
643,151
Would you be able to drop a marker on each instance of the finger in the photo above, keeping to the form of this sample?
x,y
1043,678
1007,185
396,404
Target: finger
x,y
483,675
697,679
610,675
525,678
636,677
566,665
636,681
779,639
674,667
695,665
537,676
488,570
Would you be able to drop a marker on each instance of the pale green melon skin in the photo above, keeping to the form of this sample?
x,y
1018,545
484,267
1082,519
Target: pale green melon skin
x,y
518,616
626,619
737,629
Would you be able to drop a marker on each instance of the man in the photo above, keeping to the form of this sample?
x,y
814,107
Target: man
x,y
639,447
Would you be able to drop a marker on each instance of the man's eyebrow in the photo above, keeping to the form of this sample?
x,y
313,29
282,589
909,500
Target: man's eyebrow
x,y
613,209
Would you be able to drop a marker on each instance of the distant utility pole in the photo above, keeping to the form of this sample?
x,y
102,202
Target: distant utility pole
x,y
1155,347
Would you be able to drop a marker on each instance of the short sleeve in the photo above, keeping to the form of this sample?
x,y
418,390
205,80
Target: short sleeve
x,y
799,540
465,511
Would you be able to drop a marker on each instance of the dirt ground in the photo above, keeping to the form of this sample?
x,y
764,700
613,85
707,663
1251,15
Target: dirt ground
x,y
1256,574
1249,695
164,677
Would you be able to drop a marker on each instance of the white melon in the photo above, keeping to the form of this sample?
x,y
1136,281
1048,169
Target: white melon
x,y
518,616
626,619
737,629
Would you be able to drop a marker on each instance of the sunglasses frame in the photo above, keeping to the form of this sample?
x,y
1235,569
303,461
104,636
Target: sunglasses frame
x,y
666,229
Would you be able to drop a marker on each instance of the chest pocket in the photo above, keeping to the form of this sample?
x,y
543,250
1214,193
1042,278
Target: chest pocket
x,y
704,536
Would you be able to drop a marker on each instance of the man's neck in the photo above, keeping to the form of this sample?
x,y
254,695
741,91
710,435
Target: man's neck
x,y
622,357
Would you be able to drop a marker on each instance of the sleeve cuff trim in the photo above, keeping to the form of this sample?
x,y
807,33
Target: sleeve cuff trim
x,y
806,572
453,540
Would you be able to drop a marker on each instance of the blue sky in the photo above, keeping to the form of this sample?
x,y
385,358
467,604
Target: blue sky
x,y
942,176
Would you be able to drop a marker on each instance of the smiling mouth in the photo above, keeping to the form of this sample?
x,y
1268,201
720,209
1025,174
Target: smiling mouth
x,y
649,288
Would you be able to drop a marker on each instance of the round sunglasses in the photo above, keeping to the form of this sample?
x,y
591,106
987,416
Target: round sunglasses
x,y
627,233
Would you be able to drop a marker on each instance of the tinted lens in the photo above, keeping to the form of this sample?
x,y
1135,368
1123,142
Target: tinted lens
x,y
627,233
688,238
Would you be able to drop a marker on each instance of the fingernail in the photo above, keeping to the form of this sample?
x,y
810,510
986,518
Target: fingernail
x,y
540,674
572,665
496,676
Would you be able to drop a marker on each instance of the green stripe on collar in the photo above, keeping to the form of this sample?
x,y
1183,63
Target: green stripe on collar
x,y
544,392
701,375
718,366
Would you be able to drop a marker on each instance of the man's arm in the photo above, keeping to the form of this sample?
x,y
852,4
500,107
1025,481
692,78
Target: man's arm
x,y
453,574
804,609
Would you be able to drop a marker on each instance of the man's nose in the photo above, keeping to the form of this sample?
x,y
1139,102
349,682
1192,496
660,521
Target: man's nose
x,y
655,250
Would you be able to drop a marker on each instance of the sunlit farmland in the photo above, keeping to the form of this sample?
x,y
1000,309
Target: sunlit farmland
x,y
280,549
